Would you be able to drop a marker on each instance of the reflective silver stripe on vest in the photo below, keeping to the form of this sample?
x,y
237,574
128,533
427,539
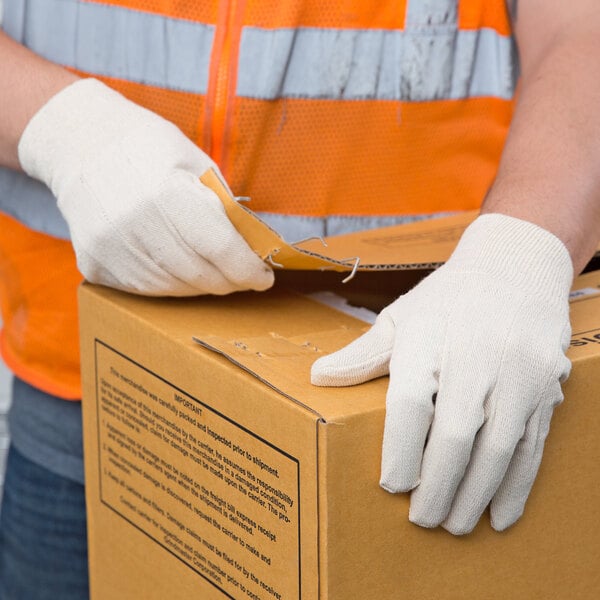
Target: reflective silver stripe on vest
x,y
32,203
414,64
430,59
431,13
115,42
295,228
36,207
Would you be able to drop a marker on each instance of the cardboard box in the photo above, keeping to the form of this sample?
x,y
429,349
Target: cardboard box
x,y
216,470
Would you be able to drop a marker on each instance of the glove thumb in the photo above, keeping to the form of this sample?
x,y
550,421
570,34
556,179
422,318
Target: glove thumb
x,y
365,358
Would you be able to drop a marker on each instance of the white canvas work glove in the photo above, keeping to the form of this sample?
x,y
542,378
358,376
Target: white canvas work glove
x,y
127,184
476,355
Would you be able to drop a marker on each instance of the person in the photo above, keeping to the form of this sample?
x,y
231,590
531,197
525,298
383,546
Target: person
x,y
332,116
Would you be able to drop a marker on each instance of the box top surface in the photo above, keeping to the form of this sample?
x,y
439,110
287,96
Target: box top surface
x,y
276,336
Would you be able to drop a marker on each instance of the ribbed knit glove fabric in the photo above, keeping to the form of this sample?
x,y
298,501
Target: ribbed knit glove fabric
x,y
476,356
127,184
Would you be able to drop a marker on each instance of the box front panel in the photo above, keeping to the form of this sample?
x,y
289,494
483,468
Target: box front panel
x,y
197,483
200,480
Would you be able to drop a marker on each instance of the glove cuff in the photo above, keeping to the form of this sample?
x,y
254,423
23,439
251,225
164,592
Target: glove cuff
x,y
72,124
517,252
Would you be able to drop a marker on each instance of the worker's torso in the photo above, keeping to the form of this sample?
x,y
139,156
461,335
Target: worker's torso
x,y
326,113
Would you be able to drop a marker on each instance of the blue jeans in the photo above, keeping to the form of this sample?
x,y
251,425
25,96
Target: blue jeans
x,y
43,541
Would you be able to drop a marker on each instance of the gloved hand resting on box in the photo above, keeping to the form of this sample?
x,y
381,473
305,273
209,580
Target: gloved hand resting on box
x,y
127,184
476,356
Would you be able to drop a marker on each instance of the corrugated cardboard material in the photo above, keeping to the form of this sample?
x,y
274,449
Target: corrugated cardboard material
x,y
355,265
215,470
421,245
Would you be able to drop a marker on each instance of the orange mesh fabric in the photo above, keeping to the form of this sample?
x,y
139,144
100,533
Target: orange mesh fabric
x,y
201,11
319,157
322,13
182,108
341,14
40,341
474,14
269,14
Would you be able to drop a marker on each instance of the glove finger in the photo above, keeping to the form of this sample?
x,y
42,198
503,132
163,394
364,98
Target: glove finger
x,y
200,228
508,503
409,407
140,274
491,454
365,358
148,253
457,419
495,447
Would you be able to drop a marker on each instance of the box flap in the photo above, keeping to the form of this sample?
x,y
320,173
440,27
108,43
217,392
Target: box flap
x,y
284,363
421,245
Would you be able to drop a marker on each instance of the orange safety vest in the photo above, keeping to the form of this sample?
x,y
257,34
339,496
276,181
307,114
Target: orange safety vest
x,y
312,108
